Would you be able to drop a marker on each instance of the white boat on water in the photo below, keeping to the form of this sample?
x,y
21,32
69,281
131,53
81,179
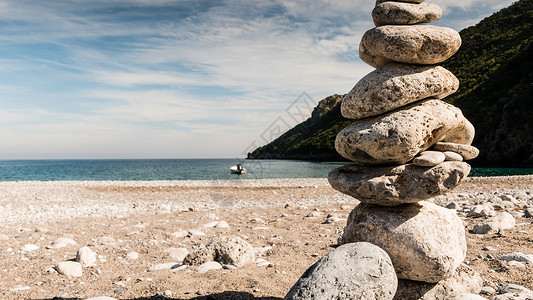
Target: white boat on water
x,y
238,169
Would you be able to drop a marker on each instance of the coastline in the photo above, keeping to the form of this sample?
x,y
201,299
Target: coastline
x,y
284,219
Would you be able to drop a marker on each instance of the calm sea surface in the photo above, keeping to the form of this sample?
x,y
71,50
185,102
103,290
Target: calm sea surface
x,y
180,169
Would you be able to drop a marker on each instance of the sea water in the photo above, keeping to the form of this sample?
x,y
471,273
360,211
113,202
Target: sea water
x,y
181,169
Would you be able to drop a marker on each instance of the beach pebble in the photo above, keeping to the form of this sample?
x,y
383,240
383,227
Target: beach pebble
x,y
222,225
260,262
208,266
20,288
61,242
179,234
397,13
225,250
387,185
499,222
452,156
513,292
466,151
164,266
517,256
397,137
29,248
396,85
86,257
429,158
69,268
177,254
106,240
132,255
196,232
351,271
481,211
211,224
487,290
229,267
415,44
426,243
464,281
101,298
453,205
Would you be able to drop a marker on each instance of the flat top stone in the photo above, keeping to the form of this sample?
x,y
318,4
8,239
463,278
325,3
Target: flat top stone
x,y
395,185
395,85
415,44
400,13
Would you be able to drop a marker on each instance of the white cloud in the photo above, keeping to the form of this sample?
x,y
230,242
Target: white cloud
x,y
200,81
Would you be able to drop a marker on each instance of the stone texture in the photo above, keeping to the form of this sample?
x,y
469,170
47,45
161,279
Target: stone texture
x,y
464,281
86,257
352,271
499,222
69,268
225,250
394,185
399,13
415,44
429,158
396,85
452,156
426,242
466,151
396,137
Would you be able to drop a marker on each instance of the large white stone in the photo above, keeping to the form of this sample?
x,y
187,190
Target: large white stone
x,y
398,136
399,13
394,185
415,44
225,250
425,242
395,85
352,271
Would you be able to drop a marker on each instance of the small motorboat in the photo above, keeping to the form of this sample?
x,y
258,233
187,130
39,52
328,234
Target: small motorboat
x,y
238,169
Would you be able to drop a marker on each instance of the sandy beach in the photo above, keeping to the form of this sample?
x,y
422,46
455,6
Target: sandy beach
x,y
283,219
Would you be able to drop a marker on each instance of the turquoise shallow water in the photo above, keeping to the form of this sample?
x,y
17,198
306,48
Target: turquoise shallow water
x,y
181,169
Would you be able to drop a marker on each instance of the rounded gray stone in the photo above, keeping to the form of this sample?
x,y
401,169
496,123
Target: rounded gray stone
x,y
468,152
395,185
225,250
415,44
429,158
425,242
352,271
395,85
399,13
397,137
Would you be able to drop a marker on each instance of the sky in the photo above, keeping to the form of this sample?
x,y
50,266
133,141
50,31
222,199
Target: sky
x,y
177,78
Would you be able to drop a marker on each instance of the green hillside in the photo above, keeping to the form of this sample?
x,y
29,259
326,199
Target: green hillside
x,y
494,66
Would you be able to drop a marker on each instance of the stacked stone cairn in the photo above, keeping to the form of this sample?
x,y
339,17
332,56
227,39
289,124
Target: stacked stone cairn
x,y
409,146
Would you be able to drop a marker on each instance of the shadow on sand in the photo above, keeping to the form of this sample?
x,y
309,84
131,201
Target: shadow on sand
x,y
219,296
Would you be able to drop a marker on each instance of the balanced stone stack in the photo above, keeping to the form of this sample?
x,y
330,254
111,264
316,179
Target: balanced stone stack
x,y
409,143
